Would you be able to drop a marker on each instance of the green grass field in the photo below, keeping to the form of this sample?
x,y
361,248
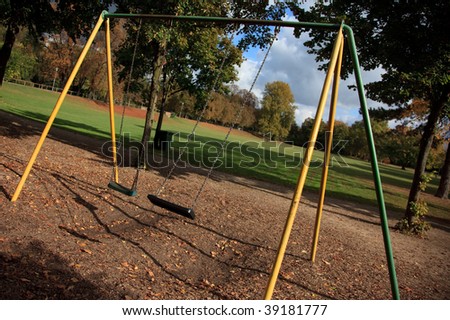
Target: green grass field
x,y
245,155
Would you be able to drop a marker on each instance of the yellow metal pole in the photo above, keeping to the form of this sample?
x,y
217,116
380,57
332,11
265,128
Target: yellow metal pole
x,y
304,170
111,100
327,153
55,110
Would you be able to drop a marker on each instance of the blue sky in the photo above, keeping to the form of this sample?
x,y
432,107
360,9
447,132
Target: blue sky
x,y
288,61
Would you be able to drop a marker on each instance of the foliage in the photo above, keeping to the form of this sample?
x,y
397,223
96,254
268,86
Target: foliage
x,y
22,64
444,184
357,138
248,103
398,146
417,225
254,35
56,58
36,16
301,135
406,39
192,53
183,104
401,146
45,16
278,110
236,108
278,163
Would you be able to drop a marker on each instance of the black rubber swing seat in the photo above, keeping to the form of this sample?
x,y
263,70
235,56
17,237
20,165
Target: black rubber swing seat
x,y
175,208
118,187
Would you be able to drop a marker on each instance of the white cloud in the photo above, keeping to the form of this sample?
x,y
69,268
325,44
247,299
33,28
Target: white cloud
x,y
247,72
304,112
289,61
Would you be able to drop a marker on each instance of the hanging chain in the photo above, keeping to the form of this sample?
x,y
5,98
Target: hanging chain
x,y
130,73
199,118
126,98
235,120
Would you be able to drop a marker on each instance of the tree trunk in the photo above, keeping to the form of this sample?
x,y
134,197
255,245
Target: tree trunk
x,y
158,64
161,109
444,184
5,51
424,149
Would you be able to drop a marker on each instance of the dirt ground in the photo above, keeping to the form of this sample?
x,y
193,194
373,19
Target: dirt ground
x,y
70,237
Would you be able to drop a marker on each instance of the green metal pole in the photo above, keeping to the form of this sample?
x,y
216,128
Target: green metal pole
x,y
224,20
374,162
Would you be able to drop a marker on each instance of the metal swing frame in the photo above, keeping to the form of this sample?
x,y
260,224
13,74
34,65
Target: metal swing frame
x,y
340,28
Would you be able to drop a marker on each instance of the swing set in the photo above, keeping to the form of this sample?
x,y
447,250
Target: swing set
x,y
344,32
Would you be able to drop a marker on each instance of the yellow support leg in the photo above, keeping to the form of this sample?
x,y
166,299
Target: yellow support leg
x,y
111,100
304,170
327,153
56,109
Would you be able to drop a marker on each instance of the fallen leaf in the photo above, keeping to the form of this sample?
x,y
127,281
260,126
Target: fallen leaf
x,y
151,275
86,250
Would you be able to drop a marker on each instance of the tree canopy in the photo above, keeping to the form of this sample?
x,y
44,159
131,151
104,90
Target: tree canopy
x,y
278,110
45,16
409,42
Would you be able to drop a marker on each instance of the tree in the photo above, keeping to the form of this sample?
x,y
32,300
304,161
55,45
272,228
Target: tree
x,y
41,16
56,58
357,145
407,39
294,137
248,103
37,16
183,104
341,135
444,184
22,63
300,135
278,110
401,146
186,56
216,106
189,55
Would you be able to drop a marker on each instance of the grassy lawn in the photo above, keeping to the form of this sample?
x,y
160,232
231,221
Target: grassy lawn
x,y
244,155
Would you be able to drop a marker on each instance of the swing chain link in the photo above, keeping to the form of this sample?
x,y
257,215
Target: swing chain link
x,y
236,119
126,100
199,118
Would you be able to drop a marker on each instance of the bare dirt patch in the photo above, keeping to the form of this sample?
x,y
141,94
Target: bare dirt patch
x,y
70,237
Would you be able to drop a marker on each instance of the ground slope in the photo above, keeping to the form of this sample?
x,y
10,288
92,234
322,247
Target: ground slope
x,y
70,237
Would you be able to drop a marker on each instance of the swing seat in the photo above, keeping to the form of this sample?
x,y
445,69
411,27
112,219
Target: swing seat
x,y
175,208
118,187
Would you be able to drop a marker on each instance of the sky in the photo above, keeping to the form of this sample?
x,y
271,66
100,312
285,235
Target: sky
x,y
289,62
